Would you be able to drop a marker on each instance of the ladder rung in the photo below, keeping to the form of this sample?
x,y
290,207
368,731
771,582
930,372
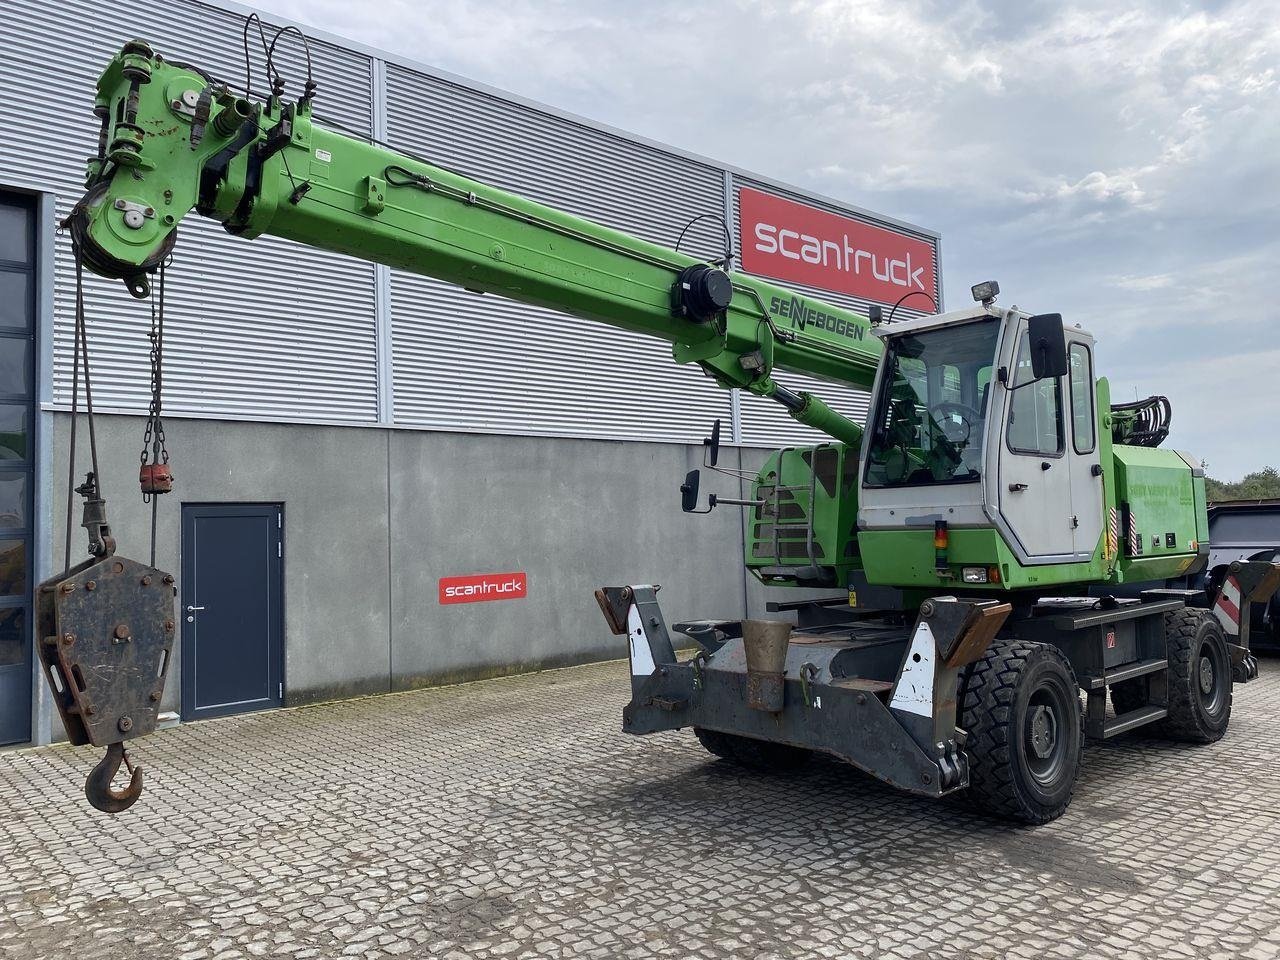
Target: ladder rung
x,y
1128,672
1133,719
862,684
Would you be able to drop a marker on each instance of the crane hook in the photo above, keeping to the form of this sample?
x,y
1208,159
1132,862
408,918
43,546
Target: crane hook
x,y
98,787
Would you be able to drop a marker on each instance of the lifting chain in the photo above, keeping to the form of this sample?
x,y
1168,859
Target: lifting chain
x,y
154,474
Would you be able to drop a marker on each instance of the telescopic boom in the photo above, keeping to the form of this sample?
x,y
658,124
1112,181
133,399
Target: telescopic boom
x,y
173,140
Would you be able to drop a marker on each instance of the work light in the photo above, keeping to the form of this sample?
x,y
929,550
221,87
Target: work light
x,y
985,292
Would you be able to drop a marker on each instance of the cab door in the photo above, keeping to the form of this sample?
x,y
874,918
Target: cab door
x,y
1034,473
1085,463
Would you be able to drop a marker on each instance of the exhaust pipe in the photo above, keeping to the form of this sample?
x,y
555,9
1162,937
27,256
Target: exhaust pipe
x,y
765,644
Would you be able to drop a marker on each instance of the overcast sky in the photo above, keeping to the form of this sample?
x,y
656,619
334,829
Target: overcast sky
x,y
1118,163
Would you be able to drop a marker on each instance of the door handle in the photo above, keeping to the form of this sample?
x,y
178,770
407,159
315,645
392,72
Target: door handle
x,y
191,613
191,609
1013,488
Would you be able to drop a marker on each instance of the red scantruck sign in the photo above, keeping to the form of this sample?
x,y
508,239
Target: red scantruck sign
x,y
483,586
798,243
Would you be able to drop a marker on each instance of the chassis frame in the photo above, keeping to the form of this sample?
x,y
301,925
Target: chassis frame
x,y
877,689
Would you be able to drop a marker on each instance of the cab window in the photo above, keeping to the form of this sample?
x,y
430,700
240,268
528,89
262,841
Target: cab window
x,y
1035,413
928,421
1082,416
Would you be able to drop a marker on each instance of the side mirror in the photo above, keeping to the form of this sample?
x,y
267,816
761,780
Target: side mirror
x,y
712,443
689,490
1048,346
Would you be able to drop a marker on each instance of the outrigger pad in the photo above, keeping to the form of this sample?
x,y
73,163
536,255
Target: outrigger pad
x,y
106,632
1257,579
615,604
980,621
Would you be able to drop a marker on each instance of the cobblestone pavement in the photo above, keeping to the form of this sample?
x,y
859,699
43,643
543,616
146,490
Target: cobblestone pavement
x,y
512,819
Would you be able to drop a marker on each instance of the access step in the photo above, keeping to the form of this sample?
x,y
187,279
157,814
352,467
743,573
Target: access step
x,y
1132,720
1127,672
878,688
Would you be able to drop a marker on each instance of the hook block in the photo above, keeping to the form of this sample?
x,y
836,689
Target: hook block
x,y
107,629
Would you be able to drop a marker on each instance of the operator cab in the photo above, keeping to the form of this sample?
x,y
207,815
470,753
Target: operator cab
x,y
985,417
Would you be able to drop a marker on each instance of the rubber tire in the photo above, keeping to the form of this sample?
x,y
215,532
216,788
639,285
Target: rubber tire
x,y
994,698
758,755
1186,631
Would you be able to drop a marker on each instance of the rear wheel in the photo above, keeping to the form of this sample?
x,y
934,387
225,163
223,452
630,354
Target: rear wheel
x,y
757,754
1020,707
1199,701
1199,677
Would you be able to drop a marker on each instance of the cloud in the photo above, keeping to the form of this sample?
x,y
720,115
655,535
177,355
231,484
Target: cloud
x,y
1116,164
1143,284
1223,406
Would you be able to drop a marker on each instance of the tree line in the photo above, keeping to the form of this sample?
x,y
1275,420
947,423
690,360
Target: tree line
x,y
1263,484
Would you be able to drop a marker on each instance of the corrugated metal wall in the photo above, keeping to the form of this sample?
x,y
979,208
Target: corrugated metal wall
x,y
262,329
271,330
485,363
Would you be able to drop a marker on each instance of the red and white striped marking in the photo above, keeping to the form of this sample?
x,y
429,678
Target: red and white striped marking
x,y
1227,607
1135,539
1113,532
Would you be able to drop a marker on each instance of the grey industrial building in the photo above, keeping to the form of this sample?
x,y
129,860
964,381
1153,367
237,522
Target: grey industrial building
x,y
345,435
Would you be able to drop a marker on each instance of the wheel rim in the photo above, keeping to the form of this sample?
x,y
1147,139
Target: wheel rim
x,y
1046,737
1210,676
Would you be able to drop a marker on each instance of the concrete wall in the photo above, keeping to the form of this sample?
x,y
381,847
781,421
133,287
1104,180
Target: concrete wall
x,y
332,482
573,514
373,518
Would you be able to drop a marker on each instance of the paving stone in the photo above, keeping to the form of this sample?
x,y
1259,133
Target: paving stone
x,y
511,819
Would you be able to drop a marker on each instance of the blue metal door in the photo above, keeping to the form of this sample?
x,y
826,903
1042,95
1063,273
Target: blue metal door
x,y
17,471
231,608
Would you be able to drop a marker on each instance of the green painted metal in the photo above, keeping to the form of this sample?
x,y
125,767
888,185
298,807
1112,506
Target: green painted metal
x,y
172,142
817,414
1157,486
1158,492
1110,548
905,558
268,168
797,483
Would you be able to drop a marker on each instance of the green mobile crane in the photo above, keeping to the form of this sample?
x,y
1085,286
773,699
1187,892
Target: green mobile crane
x,y
997,537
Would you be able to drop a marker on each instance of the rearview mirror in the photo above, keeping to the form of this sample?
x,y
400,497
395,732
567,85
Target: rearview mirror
x,y
712,443
689,490
1048,346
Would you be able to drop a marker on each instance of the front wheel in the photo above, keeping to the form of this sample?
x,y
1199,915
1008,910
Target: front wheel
x,y
1020,707
761,755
